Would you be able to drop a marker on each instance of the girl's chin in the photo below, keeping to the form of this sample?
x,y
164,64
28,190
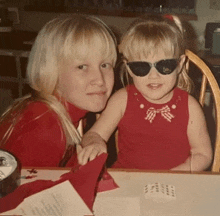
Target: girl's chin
x,y
96,107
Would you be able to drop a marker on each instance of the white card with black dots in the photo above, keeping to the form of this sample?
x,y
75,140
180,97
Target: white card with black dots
x,y
159,192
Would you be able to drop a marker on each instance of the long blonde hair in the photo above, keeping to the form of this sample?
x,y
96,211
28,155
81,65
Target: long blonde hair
x,y
59,40
147,35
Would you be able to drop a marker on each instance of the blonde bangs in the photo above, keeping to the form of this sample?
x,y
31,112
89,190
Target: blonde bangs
x,y
139,49
81,43
137,45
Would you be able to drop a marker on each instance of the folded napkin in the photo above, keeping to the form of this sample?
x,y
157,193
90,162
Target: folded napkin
x,y
106,182
84,180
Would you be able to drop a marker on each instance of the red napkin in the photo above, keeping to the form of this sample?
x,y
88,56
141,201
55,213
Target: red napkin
x,y
106,183
84,180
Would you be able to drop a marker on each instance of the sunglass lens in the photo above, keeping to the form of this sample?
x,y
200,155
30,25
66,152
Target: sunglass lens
x,y
167,66
139,68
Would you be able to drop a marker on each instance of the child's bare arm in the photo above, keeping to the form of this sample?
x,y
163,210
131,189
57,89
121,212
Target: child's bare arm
x,y
94,141
93,145
201,151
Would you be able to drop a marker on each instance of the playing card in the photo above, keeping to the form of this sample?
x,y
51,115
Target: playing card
x,y
159,192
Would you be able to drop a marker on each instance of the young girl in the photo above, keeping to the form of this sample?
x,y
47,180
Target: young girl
x,y
70,70
160,126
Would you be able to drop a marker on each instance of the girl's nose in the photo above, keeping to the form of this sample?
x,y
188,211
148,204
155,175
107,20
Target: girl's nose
x,y
153,73
97,77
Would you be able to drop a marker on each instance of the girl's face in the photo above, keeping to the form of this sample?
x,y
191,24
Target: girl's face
x,y
155,87
87,82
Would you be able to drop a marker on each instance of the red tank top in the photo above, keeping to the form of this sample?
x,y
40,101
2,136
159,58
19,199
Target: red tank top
x,y
153,136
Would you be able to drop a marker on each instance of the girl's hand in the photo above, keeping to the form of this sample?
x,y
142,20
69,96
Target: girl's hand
x,y
93,145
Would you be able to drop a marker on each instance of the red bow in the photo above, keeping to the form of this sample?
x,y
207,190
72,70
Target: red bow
x,y
168,16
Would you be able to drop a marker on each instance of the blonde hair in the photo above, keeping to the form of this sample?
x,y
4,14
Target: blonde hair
x,y
58,41
150,34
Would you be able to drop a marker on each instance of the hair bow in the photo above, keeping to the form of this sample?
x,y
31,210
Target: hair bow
x,y
168,16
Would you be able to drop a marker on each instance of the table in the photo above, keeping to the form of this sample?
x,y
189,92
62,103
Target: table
x,y
197,194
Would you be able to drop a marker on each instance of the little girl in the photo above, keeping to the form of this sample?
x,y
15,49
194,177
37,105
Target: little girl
x,y
160,126
70,70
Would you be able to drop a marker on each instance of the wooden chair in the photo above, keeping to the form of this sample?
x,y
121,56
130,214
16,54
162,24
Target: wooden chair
x,y
208,79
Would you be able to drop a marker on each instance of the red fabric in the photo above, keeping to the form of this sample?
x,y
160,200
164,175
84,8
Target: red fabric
x,y
168,16
106,183
38,139
84,180
159,144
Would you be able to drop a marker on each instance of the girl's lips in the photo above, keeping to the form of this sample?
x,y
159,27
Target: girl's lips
x,y
154,86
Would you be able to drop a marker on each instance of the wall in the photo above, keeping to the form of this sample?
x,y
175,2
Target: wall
x,y
33,21
205,14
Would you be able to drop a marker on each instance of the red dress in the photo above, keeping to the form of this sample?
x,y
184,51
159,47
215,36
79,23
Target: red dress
x,y
38,139
153,136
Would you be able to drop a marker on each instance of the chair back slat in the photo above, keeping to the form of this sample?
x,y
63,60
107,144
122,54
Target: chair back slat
x,y
208,78
203,90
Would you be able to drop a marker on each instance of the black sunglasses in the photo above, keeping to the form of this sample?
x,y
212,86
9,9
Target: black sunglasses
x,y
142,68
